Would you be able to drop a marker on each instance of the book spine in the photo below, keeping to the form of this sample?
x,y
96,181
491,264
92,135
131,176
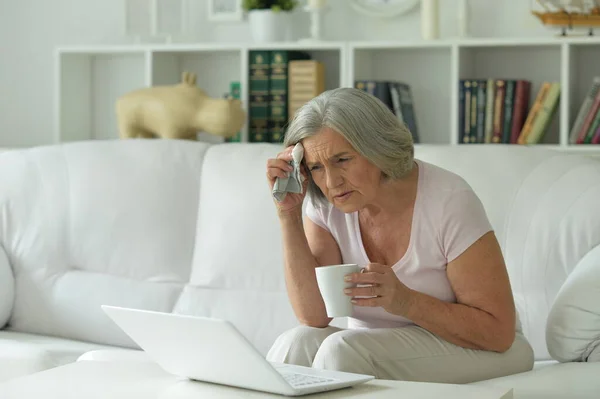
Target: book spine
x,y
473,121
467,114
481,105
533,113
489,110
522,93
258,91
589,119
596,138
278,91
235,93
499,110
509,100
408,109
461,110
395,96
592,130
545,113
306,80
584,109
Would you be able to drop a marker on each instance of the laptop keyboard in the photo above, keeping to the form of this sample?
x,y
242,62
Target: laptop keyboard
x,y
301,380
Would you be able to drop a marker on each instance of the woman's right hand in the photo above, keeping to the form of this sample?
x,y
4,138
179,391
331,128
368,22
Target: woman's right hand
x,y
280,167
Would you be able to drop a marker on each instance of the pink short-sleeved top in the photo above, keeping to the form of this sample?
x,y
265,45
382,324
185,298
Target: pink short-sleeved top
x,y
448,217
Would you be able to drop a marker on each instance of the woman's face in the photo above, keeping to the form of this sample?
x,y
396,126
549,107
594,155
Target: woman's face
x,y
348,180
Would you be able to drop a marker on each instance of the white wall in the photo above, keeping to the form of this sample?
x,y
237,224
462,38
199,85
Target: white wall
x,y
31,29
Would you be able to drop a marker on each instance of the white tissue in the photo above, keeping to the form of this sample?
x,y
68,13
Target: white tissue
x,y
292,183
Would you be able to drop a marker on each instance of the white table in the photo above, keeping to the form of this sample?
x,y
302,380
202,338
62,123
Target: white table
x,y
132,380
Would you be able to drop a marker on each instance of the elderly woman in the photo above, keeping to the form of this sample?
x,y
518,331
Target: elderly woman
x,y
440,306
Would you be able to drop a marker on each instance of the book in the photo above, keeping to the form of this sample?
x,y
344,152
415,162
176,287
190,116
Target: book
x,y
398,97
534,112
235,93
544,113
589,119
489,110
306,81
258,93
278,91
499,109
584,109
521,106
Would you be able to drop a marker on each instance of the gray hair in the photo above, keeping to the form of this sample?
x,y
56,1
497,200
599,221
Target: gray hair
x,y
365,122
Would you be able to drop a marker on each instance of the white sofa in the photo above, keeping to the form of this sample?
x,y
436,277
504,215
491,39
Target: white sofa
x,y
190,228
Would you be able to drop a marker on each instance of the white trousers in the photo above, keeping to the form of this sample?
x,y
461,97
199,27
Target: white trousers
x,y
409,353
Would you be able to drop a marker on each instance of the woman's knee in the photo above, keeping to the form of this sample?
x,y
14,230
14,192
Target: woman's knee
x,y
342,351
522,351
298,343
304,335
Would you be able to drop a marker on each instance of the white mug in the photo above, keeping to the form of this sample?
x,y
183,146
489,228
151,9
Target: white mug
x,y
331,284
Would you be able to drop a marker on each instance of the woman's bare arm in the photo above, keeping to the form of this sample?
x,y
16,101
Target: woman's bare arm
x,y
484,315
306,246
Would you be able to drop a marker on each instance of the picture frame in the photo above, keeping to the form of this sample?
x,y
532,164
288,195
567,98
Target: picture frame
x,y
225,10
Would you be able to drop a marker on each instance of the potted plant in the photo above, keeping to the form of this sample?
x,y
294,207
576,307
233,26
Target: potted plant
x,y
269,19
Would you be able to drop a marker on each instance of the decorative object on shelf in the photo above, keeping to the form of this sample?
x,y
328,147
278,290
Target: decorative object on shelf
x,y
148,20
177,112
383,8
569,14
316,8
224,10
269,19
430,19
463,18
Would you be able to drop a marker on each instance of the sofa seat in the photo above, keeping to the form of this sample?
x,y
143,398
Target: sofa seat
x,y
23,354
548,380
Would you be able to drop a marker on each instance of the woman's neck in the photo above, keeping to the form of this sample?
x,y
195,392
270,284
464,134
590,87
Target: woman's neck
x,y
393,198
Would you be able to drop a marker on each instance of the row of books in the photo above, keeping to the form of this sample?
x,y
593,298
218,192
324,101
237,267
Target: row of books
x,y
398,98
280,82
498,111
586,128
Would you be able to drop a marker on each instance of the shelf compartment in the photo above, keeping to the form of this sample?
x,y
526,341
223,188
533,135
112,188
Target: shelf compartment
x,y
536,63
428,73
88,86
583,68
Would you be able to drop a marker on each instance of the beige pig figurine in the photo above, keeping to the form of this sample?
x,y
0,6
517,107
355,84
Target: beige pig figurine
x,y
177,112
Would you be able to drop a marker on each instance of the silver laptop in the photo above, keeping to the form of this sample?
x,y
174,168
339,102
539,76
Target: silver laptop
x,y
213,350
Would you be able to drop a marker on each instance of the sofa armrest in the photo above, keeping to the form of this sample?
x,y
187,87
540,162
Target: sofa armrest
x,y
7,288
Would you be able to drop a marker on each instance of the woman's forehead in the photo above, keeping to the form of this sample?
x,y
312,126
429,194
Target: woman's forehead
x,y
324,144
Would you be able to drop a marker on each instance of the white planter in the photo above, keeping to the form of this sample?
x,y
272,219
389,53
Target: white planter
x,y
269,26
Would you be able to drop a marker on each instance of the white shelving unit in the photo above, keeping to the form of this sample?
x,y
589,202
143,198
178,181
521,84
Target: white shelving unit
x,y
90,79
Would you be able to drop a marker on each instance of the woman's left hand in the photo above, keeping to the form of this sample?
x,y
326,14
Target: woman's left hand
x,y
385,289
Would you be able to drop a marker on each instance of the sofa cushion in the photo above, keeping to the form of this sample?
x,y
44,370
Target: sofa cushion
x,y
98,222
573,328
238,239
22,354
7,288
259,315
